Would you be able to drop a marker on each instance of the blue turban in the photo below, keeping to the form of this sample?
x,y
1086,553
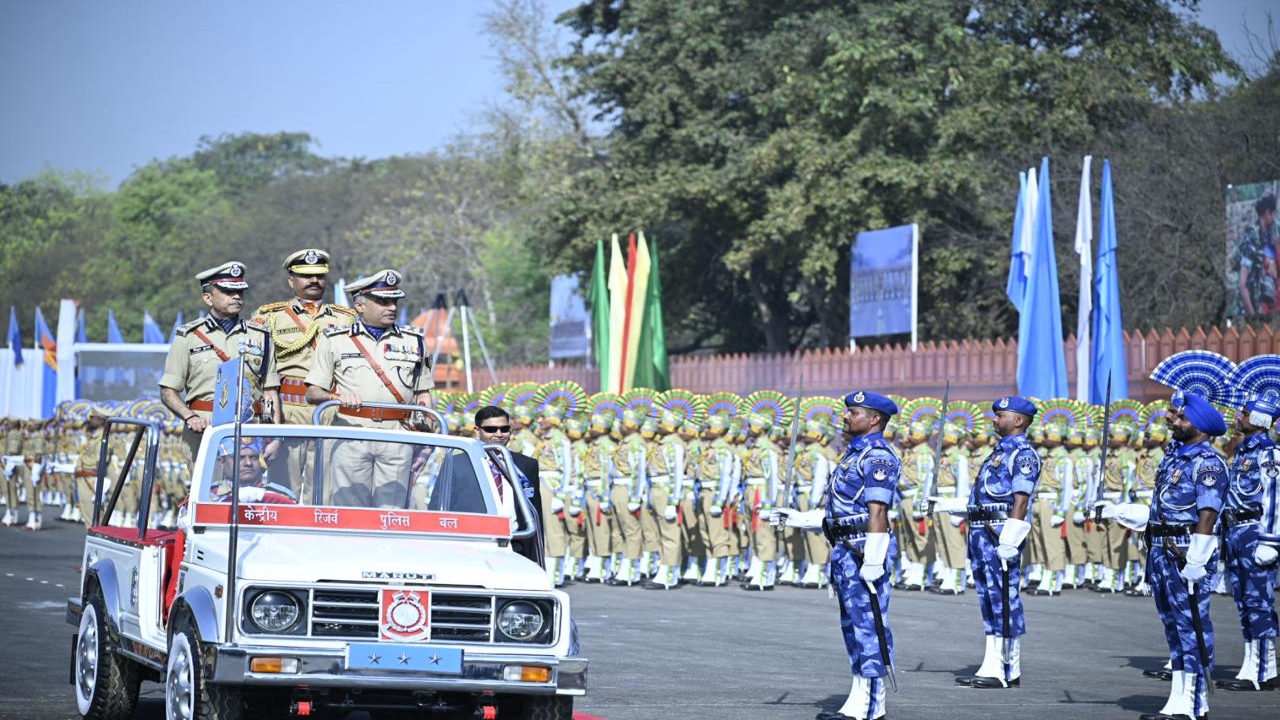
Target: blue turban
x,y
1203,415
1013,403
875,401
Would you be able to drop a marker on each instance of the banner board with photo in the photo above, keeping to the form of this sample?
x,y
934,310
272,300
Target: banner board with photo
x,y
1253,242
570,321
883,282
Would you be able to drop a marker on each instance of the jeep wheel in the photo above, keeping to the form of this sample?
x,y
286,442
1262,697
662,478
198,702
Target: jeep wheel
x,y
188,695
554,707
106,683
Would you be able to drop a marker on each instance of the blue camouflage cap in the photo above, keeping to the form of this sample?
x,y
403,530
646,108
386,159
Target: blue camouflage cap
x,y
1013,403
875,401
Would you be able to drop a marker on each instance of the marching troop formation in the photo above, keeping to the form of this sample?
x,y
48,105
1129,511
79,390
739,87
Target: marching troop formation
x,y
867,494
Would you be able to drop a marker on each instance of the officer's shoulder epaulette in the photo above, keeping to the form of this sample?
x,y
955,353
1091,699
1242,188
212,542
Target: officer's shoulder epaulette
x,y
271,307
183,330
336,330
412,330
343,309
257,324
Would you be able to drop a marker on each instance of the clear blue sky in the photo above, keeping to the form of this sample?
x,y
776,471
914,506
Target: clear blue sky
x,y
106,86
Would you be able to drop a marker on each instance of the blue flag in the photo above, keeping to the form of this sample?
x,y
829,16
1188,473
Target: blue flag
x,y
177,323
1042,364
225,394
1108,329
113,330
1016,287
15,336
81,336
151,332
48,344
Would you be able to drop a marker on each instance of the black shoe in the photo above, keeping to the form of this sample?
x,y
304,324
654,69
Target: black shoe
x,y
1162,716
944,591
1041,592
990,683
616,582
1247,685
1162,674
840,716
966,680
651,585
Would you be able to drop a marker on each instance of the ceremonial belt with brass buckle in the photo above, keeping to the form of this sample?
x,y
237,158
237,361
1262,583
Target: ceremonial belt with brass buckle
x,y
378,414
207,406
1234,518
293,391
87,473
851,526
1155,530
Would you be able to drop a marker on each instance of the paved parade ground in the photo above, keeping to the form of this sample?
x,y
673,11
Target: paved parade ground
x,y
722,653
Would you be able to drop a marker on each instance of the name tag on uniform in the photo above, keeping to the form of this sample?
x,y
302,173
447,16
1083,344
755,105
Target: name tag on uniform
x,y
350,356
200,349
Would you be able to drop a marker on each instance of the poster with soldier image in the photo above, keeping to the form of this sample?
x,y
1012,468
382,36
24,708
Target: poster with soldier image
x,y
1252,245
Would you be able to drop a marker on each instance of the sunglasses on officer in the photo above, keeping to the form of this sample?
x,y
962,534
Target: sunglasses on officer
x,y
495,429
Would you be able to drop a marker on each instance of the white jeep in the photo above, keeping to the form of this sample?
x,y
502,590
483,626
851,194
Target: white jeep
x,y
295,597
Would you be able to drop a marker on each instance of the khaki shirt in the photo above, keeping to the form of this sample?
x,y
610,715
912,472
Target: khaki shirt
x,y
13,442
35,446
192,364
295,329
87,461
551,452
595,463
631,446
341,367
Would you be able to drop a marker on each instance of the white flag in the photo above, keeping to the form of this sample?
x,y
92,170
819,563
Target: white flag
x,y
1084,248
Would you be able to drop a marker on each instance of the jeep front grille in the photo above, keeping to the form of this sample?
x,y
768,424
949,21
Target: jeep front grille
x,y
353,614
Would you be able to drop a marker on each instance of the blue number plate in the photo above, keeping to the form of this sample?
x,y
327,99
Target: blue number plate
x,y
405,658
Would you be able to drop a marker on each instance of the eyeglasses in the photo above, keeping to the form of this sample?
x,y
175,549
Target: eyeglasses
x,y
494,429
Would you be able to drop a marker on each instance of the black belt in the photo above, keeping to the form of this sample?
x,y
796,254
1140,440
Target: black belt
x,y
1168,531
838,530
985,514
1232,518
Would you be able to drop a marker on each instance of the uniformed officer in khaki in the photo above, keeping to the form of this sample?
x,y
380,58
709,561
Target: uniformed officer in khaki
x,y
668,475
295,327
371,360
16,472
87,464
198,347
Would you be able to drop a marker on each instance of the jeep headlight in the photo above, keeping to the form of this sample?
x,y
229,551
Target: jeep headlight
x,y
521,620
274,611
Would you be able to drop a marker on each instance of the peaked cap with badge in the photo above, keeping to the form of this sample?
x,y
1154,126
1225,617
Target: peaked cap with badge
x,y
308,262
227,276
383,284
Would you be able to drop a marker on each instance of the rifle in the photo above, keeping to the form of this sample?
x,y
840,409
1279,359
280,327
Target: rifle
x,y
789,483
1102,466
927,491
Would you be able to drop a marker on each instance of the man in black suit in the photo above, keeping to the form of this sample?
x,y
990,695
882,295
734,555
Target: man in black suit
x,y
493,427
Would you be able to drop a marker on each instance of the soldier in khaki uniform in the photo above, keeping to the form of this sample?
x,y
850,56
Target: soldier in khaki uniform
x,y
87,464
574,496
1049,510
719,469
626,483
372,360
555,460
1118,479
692,541
33,450
198,347
912,526
947,537
813,470
668,473
295,327
762,470
16,472
597,466
1077,532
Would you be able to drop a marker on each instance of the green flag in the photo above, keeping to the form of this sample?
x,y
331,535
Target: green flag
x,y
651,356
598,299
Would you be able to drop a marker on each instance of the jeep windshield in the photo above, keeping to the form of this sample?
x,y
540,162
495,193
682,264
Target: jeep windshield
x,y
402,480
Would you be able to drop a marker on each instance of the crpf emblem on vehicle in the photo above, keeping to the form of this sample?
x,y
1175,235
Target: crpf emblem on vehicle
x,y
405,615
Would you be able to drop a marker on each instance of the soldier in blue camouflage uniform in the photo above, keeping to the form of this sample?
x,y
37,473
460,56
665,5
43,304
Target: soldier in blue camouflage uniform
x,y
1250,510
856,522
998,505
1182,549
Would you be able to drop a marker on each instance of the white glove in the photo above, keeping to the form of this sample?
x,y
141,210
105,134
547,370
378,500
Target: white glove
x,y
556,505
873,555
956,520
1077,517
1011,536
1264,554
1057,520
1202,547
1131,515
252,494
633,506
716,511
669,514
954,505
605,506
786,517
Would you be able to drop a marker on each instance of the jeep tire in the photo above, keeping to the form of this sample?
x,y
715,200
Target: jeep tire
x,y
106,684
188,694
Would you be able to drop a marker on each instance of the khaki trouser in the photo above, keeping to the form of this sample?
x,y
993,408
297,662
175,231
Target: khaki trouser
x,y
1114,543
650,535
1095,540
717,533
762,537
1077,542
914,544
691,538
949,541
554,534
288,467
626,529
668,531
19,477
1046,541
599,524
367,473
